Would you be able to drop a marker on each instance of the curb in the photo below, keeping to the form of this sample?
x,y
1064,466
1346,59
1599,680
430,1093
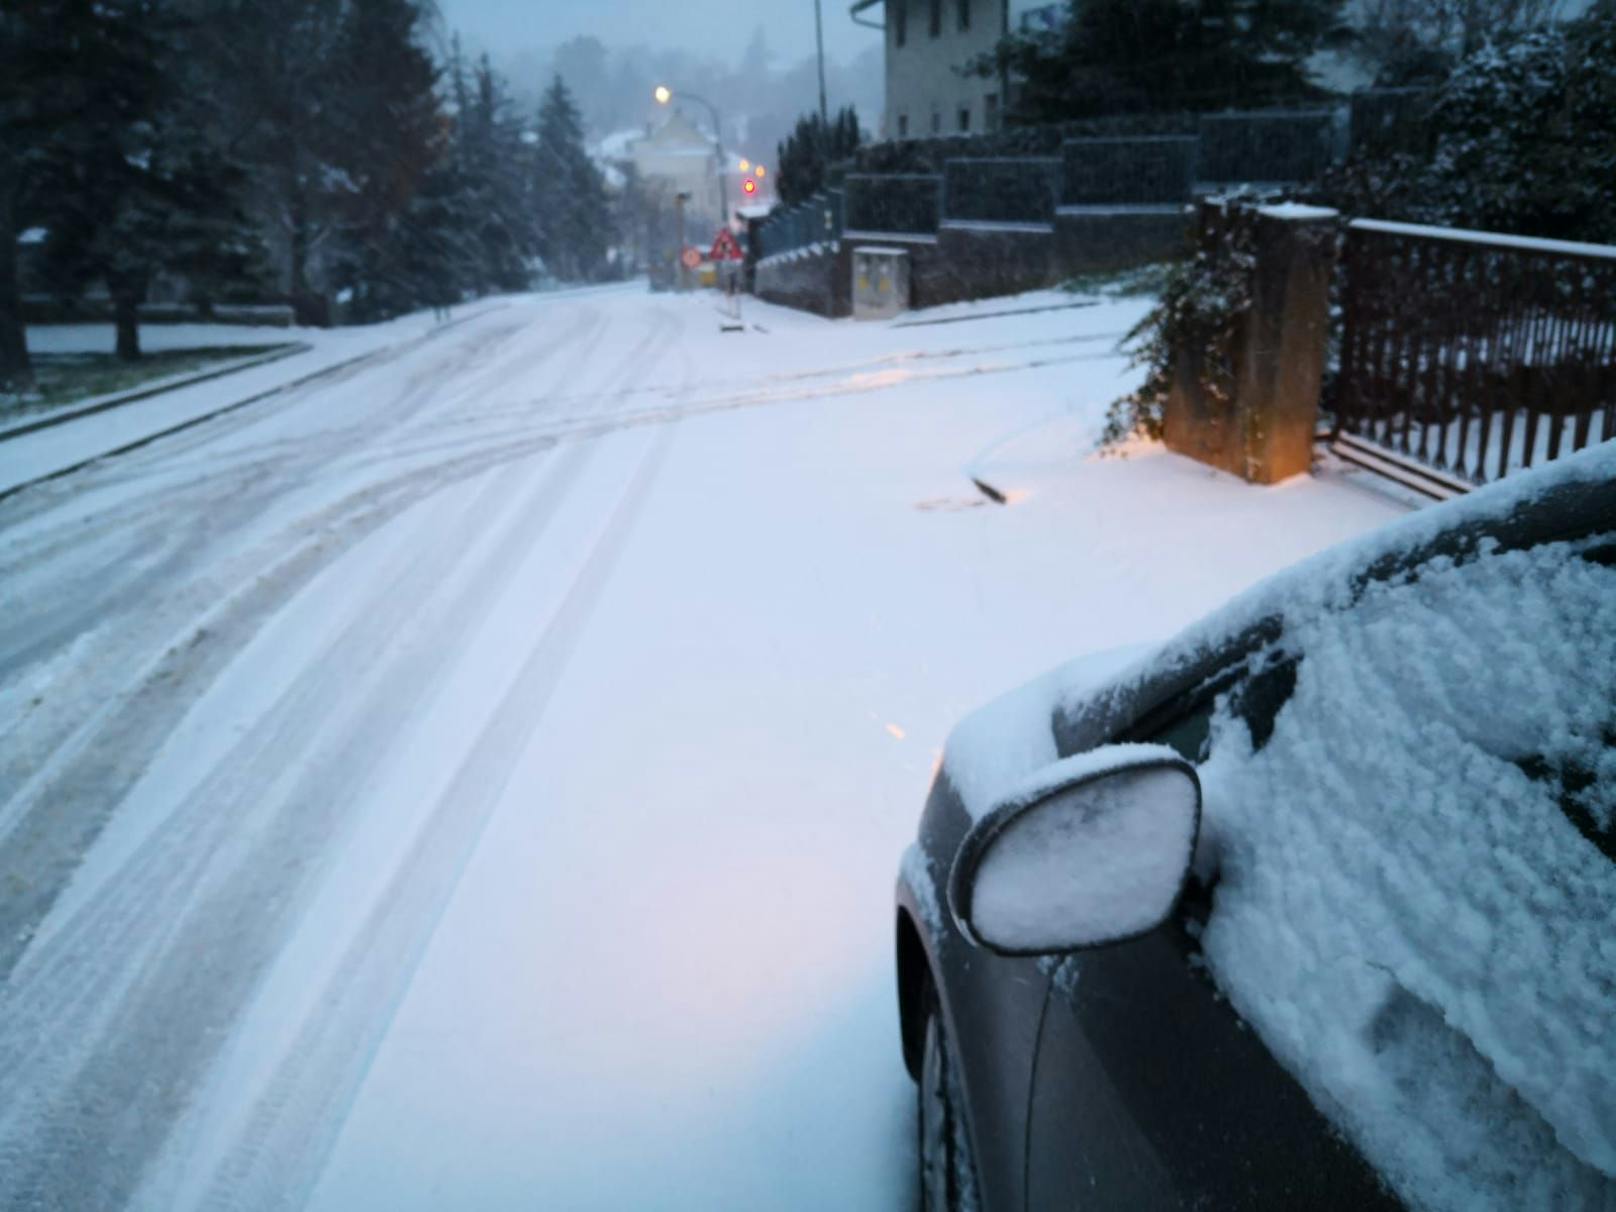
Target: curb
x,y
325,372
146,393
994,315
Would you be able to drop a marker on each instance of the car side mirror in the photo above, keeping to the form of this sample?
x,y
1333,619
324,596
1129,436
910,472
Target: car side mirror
x,y
1093,850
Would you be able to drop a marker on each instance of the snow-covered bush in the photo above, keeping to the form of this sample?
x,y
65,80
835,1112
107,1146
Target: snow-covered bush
x,y
1523,140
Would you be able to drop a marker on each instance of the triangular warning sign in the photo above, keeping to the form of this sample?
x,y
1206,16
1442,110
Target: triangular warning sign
x,y
725,248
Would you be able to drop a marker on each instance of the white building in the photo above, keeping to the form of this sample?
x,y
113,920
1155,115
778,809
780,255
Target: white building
x,y
683,156
678,157
927,41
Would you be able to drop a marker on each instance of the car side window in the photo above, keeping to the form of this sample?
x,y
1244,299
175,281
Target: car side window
x,y
1254,691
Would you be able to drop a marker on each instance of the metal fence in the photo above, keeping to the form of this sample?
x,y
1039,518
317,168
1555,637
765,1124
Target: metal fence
x,y
1152,170
817,220
895,203
1473,353
1021,189
1269,146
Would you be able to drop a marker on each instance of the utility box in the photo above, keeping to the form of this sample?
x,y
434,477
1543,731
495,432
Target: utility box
x,y
880,282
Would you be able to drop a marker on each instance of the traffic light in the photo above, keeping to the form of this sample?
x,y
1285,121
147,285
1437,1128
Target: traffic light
x,y
749,185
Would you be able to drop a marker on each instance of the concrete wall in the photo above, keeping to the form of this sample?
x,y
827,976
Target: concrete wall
x,y
1095,240
990,225
989,260
925,95
820,282
974,261
966,260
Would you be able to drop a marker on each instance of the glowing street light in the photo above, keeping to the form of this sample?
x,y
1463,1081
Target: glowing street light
x,y
746,166
761,172
664,94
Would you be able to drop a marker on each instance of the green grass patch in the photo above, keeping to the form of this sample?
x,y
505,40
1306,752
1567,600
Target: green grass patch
x,y
62,380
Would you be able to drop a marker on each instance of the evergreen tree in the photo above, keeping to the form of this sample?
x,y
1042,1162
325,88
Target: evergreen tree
x,y
1139,55
809,152
1407,42
272,77
33,102
501,220
569,193
393,134
136,180
1523,140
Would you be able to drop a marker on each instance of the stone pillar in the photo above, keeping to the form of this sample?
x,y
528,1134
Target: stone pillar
x,y
1264,431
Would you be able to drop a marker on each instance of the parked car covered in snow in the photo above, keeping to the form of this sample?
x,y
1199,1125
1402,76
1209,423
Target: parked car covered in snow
x,y
1310,907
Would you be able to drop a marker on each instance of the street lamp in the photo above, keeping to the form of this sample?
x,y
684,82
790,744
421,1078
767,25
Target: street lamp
x,y
663,95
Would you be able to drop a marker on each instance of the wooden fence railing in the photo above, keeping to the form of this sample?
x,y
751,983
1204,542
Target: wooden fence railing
x,y
1475,354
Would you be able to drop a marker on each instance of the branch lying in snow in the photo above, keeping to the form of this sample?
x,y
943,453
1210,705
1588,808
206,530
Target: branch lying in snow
x,y
990,492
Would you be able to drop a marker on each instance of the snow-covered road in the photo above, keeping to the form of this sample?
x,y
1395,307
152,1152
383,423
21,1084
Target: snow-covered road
x,y
476,779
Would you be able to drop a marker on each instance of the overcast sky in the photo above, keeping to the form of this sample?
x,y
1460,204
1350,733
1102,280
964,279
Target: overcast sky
x,y
719,27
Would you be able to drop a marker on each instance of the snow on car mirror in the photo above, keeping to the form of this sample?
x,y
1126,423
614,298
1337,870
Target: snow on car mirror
x,y
1094,850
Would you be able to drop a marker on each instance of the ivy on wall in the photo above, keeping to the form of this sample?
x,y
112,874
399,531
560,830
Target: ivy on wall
x,y
1197,318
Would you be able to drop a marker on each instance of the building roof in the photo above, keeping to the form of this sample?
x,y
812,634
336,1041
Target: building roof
x,y
619,145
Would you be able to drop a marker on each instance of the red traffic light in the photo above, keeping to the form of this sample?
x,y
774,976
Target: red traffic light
x,y
749,186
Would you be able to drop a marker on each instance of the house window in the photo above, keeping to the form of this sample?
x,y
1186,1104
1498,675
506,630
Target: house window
x,y
965,117
903,126
936,18
900,21
965,14
990,111
936,122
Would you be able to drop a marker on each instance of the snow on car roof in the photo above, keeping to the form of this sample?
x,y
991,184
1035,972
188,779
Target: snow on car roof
x,y
1406,908
1006,740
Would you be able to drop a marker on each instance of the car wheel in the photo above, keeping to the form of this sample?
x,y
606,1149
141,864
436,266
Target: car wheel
x,y
947,1169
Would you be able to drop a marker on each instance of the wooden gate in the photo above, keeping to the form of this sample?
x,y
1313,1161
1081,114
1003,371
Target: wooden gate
x,y
1475,354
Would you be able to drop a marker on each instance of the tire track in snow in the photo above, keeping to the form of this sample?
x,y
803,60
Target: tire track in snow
x,y
76,1123
184,506
177,520
600,424
295,1123
112,735
868,368
116,977
56,792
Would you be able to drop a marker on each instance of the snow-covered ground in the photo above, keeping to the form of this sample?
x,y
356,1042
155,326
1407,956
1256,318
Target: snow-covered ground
x,y
477,779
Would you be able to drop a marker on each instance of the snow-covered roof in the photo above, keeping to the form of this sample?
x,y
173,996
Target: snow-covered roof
x,y
678,129
33,235
619,145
